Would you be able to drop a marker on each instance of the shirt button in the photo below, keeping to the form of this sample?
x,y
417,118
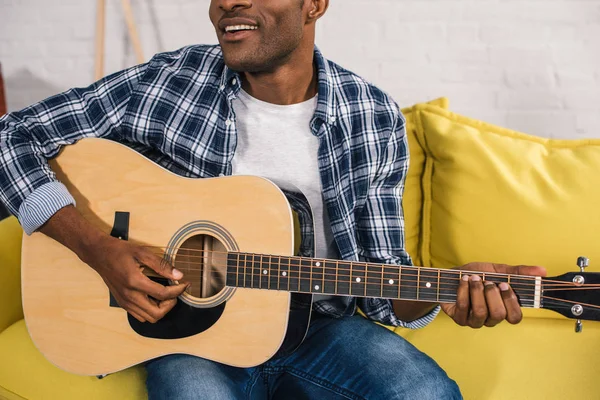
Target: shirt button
x,y
233,81
228,122
222,87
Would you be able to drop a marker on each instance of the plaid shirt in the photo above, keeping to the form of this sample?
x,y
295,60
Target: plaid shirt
x,y
177,111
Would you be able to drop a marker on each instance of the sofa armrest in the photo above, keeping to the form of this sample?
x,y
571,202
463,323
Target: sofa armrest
x,y
11,309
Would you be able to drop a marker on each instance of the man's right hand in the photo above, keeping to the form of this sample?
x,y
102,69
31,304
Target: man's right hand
x,y
120,265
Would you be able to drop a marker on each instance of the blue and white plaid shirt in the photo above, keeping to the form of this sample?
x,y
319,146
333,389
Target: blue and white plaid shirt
x,y
177,110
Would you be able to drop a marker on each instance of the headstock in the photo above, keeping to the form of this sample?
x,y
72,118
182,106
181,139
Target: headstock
x,y
575,295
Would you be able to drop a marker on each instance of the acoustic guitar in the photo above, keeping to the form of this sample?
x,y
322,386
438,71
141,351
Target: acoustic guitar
x,y
233,237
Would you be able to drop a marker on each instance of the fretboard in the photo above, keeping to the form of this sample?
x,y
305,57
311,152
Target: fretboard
x,y
344,278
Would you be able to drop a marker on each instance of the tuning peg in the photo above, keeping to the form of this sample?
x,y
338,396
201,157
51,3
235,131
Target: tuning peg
x,y
582,263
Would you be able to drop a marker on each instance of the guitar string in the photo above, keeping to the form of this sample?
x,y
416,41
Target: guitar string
x,y
560,303
375,266
370,271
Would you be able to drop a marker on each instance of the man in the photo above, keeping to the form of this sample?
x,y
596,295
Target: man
x,y
264,102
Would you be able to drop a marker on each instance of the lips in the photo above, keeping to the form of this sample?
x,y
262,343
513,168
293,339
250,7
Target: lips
x,y
234,29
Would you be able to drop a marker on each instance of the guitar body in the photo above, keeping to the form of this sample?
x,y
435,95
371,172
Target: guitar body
x,y
68,307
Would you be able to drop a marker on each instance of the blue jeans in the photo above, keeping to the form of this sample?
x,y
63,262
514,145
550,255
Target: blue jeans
x,y
348,358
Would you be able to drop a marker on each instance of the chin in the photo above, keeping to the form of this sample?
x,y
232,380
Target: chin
x,y
244,64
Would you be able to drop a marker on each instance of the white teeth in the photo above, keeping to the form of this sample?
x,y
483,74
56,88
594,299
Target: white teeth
x,y
240,28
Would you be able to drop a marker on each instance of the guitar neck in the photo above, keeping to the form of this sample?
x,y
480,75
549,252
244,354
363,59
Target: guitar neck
x,y
361,279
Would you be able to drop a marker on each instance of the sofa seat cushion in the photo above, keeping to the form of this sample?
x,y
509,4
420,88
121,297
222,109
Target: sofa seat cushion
x,y
493,194
25,372
536,359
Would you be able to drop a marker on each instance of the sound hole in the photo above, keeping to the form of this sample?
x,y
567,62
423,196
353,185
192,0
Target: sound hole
x,y
203,261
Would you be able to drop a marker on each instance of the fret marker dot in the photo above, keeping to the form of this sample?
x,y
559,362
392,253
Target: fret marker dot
x,y
318,264
284,273
358,280
391,281
265,272
428,285
316,287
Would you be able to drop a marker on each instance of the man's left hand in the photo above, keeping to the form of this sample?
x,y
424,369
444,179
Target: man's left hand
x,y
480,303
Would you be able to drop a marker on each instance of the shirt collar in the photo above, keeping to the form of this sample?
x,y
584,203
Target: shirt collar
x,y
326,109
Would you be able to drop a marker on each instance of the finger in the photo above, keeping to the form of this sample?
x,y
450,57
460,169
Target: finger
x,y
157,310
158,264
495,304
531,270
136,316
511,303
167,305
144,306
479,310
138,313
461,313
161,292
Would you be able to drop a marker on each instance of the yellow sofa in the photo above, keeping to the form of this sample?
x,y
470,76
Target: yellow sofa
x,y
474,192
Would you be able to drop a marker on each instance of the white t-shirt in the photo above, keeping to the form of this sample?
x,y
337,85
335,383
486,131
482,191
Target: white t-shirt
x,y
276,142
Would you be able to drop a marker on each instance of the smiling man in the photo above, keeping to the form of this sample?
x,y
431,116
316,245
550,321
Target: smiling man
x,y
263,102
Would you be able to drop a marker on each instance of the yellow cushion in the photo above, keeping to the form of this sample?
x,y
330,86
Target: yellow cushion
x,y
493,194
537,359
10,272
413,193
25,372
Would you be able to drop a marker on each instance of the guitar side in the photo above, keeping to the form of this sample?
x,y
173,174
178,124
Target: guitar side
x,y
67,305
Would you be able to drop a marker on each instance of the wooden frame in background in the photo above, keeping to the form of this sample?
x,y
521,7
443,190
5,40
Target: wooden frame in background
x,y
3,108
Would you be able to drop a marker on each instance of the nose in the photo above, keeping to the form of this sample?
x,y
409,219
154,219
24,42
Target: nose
x,y
233,5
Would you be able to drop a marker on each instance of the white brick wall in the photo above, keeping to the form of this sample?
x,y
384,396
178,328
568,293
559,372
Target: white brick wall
x,y
531,65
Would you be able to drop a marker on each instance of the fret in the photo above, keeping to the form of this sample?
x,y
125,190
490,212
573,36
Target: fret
x,y
382,274
438,285
344,279
329,277
264,272
232,269
358,282
317,276
497,278
373,287
409,277
524,289
366,279
418,281
278,273
428,286
237,270
261,276
336,277
273,273
400,282
391,284
283,272
241,258
448,286
294,273
305,275
248,266
255,270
